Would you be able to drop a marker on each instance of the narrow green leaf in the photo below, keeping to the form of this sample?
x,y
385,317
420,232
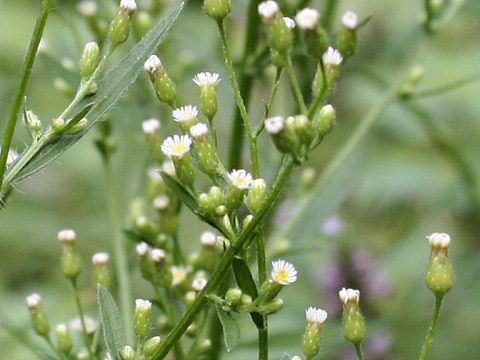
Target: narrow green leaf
x,y
109,90
180,191
47,356
231,330
114,333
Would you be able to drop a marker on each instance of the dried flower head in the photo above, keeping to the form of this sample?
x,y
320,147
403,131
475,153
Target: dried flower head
x,y
143,305
240,179
349,295
198,130
151,127
332,57
100,259
66,236
152,64
350,20
185,113
283,272
177,146
268,10
439,240
274,124
307,19
206,79
315,315
289,22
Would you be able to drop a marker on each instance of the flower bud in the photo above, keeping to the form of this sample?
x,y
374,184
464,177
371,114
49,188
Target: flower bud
x,y
71,264
39,317
203,346
354,329
347,38
303,129
316,38
64,341
313,331
415,75
143,312
240,182
233,296
164,86
34,124
83,355
89,59
127,353
271,307
278,32
440,275
257,195
151,345
58,125
145,262
119,28
102,275
178,149
217,9
78,127
199,284
208,92
162,275
204,149
283,134
324,120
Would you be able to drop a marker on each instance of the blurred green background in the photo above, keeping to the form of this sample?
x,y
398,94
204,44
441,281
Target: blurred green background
x,y
366,229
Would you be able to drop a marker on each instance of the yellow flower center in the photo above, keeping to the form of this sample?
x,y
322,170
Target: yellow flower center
x,y
178,148
282,276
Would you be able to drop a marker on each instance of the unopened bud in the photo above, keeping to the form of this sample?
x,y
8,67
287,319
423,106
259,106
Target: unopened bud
x,y
303,129
89,59
208,92
324,120
316,39
102,275
64,341
347,38
257,195
203,346
164,86
143,312
233,296
127,353
151,345
39,317
354,329
217,9
440,275
313,331
34,124
119,28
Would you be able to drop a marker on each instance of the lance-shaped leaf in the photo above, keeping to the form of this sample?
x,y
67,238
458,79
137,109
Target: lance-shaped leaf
x,y
231,330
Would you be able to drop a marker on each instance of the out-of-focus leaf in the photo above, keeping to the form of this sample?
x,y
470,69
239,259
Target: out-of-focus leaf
x,y
112,325
231,330
48,356
180,191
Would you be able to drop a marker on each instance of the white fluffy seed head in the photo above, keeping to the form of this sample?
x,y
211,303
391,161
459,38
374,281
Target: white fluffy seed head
x,y
198,130
33,301
208,239
307,19
240,179
315,315
206,79
152,64
274,125
268,10
283,272
158,255
151,127
66,236
332,57
199,284
177,146
142,249
289,22
439,240
100,259
185,113
161,202
142,305
350,20
87,8
129,6
349,295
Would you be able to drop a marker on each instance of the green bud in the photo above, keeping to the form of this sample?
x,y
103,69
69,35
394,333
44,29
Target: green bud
x,y
203,346
163,323
33,123
234,296
71,263
83,355
143,312
307,178
208,92
205,204
190,297
58,125
354,329
204,149
246,299
217,9
147,268
164,86
313,331
102,275
89,59
78,127
221,210
119,28
324,120
316,38
64,341
440,275
278,32
303,129
347,38
162,275
185,169
257,195
127,353
240,182
151,345
283,134
234,197
192,330
415,75
145,227
216,196
271,307
39,318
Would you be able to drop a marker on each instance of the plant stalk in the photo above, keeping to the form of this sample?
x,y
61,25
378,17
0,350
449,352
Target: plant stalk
x,y
431,329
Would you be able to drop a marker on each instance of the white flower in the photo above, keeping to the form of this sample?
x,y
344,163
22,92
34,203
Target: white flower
x,y
307,19
87,8
177,146
128,5
240,179
61,328
350,20
439,240
33,301
274,124
158,255
198,130
90,324
206,79
66,235
347,295
283,272
179,274
151,127
161,202
289,22
199,284
185,113
141,221
332,57
208,238
169,168
142,249
142,305
296,357
315,315
268,9
101,258
152,64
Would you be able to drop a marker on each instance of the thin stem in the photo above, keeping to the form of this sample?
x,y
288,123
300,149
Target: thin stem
x,y
81,314
54,348
119,251
22,87
224,264
238,97
321,97
262,276
269,105
295,86
329,13
447,87
358,350
431,329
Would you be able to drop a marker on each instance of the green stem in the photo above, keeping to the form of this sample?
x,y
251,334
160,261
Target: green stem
x,y
54,348
225,262
22,87
358,350
295,86
431,329
321,97
269,105
447,87
81,314
126,302
238,97
328,13
262,276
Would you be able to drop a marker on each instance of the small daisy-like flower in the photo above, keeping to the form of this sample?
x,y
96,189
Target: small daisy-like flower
x,y
347,295
206,79
208,238
90,324
350,20
289,22
185,113
274,124
307,19
161,202
142,249
143,305
439,240
100,259
129,6
332,57
87,8
33,301
169,168
198,130
158,255
199,284
315,315
179,274
240,179
268,9
66,235
151,127
283,272
152,64
177,146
